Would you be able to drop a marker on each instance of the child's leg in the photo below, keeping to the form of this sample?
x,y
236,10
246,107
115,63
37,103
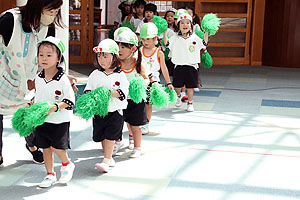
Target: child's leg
x,y
177,90
137,137
131,140
108,146
62,154
190,92
48,160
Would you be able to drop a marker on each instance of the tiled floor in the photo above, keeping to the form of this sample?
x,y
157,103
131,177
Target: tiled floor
x,y
242,142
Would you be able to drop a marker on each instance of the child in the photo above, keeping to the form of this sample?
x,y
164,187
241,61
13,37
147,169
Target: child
x,y
135,113
155,61
109,75
139,6
52,85
185,49
149,12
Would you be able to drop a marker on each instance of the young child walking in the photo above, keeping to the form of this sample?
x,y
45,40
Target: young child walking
x,y
149,11
109,75
52,85
154,59
135,113
185,49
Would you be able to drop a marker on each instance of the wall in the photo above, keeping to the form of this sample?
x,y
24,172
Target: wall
x,y
7,4
281,45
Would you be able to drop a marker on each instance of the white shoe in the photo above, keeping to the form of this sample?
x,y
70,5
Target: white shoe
x,y
105,164
66,172
196,90
131,144
136,153
178,102
117,147
48,181
190,107
145,129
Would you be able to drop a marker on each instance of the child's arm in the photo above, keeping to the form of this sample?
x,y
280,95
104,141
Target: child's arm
x,y
144,74
122,91
205,38
57,107
164,69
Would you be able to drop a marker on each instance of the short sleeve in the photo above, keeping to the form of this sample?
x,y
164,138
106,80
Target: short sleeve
x,y
89,85
68,93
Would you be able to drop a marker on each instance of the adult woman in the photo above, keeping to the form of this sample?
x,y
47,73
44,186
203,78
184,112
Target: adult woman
x,y
24,28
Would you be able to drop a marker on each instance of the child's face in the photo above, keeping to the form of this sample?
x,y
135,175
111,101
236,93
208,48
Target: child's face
x,y
125,52
170,17
185,26
104,60
47,56
149,42
139,10
127,8
149,15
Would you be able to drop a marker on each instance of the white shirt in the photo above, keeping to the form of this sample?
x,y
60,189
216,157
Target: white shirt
x,y
186,51
113,81
56,90
138,29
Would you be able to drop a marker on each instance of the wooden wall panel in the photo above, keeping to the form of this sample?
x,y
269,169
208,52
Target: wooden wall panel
x,y
281,45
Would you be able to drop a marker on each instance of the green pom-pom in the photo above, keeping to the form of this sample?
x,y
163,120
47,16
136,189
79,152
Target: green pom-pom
x,y
158,96
161,23
206,60
199,33
37,114
85,106
137,89
128,25
102,96
18,123
172,95
210,24
166,53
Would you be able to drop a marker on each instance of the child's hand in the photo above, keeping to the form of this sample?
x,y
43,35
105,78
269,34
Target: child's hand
x,y
170,86
52,109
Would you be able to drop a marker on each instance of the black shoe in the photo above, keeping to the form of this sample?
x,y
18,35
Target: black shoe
x,y
37,155
1,161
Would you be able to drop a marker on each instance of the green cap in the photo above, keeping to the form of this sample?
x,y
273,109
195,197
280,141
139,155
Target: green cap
x,y
107,46
180,12
56,41
184,16
148,30
126,35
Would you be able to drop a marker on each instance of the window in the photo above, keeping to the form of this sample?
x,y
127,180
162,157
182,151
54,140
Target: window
x,y
162,6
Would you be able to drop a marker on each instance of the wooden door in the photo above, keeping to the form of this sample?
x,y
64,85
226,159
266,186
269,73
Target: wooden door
x,y
7,4
81,30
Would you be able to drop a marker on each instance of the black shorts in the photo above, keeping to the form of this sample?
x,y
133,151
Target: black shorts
x,y
52,135
135,114
110,127
170,67
185,75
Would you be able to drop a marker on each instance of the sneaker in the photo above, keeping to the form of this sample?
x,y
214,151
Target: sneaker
x,y
190,107
105,164
136,153
66,172
37,155
145,129
178,102
117,147
131,144
48,181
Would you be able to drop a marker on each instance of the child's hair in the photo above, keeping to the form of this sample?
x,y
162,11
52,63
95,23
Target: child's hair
x,y
196,19
114,63
138,65
54,48
150,7
174,25
177,28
